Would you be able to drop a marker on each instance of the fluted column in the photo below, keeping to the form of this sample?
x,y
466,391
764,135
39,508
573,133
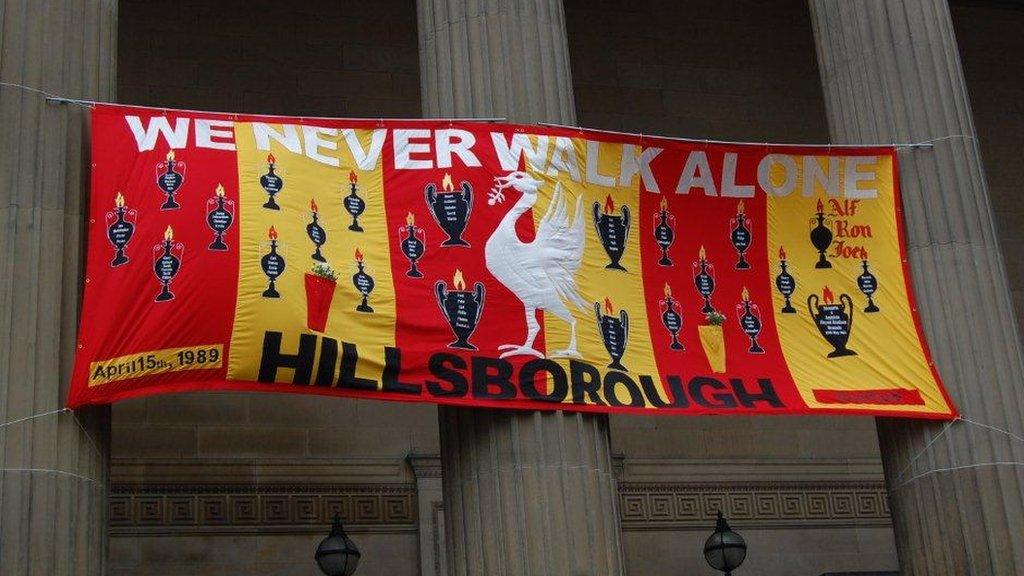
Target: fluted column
x,y
525,493
891,72
53,494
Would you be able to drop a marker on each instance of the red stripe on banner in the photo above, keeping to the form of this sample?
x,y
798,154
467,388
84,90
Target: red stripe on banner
x,y
884,396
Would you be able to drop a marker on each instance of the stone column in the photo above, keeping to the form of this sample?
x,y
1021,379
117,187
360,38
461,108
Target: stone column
x,y
53,494
525,493
891,73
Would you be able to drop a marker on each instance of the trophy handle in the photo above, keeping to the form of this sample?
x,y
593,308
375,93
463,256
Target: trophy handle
x,y
597,218
439,290
625,220
403,234
422,235
624,318
672,219
662,306
812,303
231,205
711,270
739,311
848,302
467,196
430,191
597,312
109,217
479,288
180,249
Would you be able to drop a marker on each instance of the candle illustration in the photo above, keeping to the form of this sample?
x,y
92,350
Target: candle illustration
x,y
740,237
363,283
785,282
273,265
834,321
461,308
316,232
353,203
166,263
170,177
868,284
821,235
120,228
413,241
450,209
271,183
704,280
613,230
664,232
614,332
671,318
749,316
220,213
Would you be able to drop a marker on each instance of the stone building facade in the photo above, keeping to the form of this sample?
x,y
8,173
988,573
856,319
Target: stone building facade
x,y
203,484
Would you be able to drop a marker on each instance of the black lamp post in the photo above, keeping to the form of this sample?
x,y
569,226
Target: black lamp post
x,y
724,550
337,554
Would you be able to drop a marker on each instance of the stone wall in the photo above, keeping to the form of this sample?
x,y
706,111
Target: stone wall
x,y
244,483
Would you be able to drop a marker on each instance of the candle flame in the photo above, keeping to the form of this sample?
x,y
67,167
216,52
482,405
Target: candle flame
x,y
664,203
739,207
220,190
782,253
170,155
821,207
169,234
608,308
447,183
668,290
609,205
827,296
359,255
313,206
353,177
272,233
119,200
746,294
458,281
410,219
702,253
271,159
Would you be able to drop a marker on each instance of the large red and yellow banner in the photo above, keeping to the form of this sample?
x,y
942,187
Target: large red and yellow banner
x,y
496,265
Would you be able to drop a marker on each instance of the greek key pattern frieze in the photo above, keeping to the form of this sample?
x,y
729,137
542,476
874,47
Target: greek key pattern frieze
x,y
660,506
195,507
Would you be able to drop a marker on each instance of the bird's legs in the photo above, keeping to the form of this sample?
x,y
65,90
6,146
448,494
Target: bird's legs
x,y
532,328
571,351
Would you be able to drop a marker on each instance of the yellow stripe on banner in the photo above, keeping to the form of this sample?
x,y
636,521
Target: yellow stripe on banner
x,y
888,352
307,181
156,362
613,290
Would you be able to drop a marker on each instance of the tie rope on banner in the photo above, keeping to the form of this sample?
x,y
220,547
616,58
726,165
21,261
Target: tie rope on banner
x,y
955,468
78,422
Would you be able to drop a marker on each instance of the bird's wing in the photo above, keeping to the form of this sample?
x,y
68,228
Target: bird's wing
x,y
559,244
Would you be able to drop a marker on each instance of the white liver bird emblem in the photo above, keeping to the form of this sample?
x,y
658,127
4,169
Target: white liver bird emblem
x,y
541,273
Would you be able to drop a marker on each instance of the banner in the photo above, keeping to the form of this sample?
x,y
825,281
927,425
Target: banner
x,y
495,265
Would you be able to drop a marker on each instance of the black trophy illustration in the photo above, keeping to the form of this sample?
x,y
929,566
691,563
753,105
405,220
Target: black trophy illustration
x,y
461,308
273,265
166,263
170,175
363,283
672,318
612,230
614,332
740,237
316,232
220,213
120,228
704,280
749,316
451,209
353,203
271,183
413,241
868,284
664,232
821,235
834,321
785,282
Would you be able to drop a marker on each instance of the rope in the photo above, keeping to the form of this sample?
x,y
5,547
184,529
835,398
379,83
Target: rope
x,y
58,472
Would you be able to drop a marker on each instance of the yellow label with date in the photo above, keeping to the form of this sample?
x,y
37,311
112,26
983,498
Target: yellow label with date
x,y
156,362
